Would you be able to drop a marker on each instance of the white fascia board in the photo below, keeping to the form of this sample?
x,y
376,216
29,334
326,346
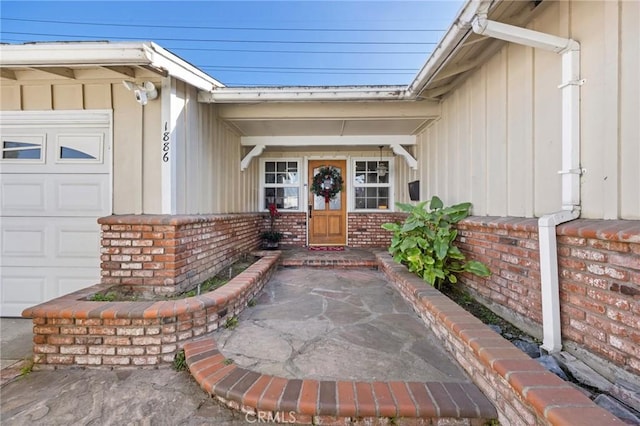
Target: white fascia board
x,y
292,94
375,140
74,54
178,68
452,39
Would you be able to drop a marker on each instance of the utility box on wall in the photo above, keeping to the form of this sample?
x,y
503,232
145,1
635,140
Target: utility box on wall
x,y
414,190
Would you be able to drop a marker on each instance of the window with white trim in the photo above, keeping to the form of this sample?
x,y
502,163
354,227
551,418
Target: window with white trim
x,y
281,184
372,188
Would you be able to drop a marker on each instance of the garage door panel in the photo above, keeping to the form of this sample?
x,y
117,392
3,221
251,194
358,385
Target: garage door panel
x,y
55,182
41,241
55,195
20,292
20,241
81,195
22,195
21,288
78,242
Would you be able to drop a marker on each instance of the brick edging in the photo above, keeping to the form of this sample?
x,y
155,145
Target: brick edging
x,y
517,385
327,401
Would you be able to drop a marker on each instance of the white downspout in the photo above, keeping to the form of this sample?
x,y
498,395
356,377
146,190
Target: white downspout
x,y
571,171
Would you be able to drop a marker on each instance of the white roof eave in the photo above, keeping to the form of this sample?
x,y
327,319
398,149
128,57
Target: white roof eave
x,y
78,54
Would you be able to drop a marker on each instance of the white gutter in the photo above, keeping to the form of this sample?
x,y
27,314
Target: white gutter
x,y
293,93
571,171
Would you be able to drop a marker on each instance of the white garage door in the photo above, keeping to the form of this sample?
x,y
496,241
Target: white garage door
x,y
55,183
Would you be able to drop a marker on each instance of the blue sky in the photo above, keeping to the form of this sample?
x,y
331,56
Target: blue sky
x,y
254,43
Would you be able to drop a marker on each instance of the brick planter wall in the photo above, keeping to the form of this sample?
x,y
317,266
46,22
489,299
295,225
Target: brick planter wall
x,y
522,391
365,229
165,255
599,267
71,330
292,225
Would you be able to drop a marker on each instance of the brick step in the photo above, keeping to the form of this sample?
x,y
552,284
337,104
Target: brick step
x,y
305,401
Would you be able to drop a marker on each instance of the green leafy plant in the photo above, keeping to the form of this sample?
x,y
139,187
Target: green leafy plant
x,y
100,297
180,361
424,242
228,361
27,366
231,323
251,303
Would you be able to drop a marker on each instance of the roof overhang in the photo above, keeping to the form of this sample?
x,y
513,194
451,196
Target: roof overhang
x,y
72,60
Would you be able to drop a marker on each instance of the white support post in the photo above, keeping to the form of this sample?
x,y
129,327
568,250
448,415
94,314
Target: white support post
x,y
167,152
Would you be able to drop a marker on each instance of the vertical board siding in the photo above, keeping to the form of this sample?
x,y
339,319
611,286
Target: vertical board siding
x,y
498,141
547,112
496,125
630,109
37,97
10,99
520,131
127,152
152,158
478,143
68,96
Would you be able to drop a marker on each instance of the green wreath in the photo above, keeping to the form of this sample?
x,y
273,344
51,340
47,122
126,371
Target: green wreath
x,y
325,175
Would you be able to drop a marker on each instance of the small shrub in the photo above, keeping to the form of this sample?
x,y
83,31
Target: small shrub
x,y
252,303
424,242
228,361
180,361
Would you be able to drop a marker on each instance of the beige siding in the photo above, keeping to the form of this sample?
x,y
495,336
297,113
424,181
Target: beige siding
x,y
630,110
127,152
208,155
498,143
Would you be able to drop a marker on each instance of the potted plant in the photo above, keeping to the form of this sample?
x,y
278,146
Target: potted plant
x,y
271,238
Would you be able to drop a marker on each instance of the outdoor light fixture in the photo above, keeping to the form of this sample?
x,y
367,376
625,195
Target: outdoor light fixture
x,y
382,169
146,92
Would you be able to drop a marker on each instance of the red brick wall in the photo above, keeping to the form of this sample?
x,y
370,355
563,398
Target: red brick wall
x,y
365,229
292,225
599,267
168,254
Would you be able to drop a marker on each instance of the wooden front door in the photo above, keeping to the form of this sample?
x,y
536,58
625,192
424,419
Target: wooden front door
x,y
327,220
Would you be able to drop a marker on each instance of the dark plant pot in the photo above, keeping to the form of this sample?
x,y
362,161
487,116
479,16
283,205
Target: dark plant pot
x,y
270,245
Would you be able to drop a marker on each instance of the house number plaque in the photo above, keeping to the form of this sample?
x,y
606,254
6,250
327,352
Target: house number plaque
x,y
166,140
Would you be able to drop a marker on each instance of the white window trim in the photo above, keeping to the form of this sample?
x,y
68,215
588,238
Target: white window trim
x,y
42,140
352,185
300,186
59,144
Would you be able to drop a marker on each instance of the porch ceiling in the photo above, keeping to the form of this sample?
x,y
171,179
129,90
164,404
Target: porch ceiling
x,y
330,118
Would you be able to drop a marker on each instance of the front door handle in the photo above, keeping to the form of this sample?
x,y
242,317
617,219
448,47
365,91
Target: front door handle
x,y
310,210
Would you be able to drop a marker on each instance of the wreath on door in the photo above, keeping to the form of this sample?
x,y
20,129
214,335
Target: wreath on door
x,y
327,183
